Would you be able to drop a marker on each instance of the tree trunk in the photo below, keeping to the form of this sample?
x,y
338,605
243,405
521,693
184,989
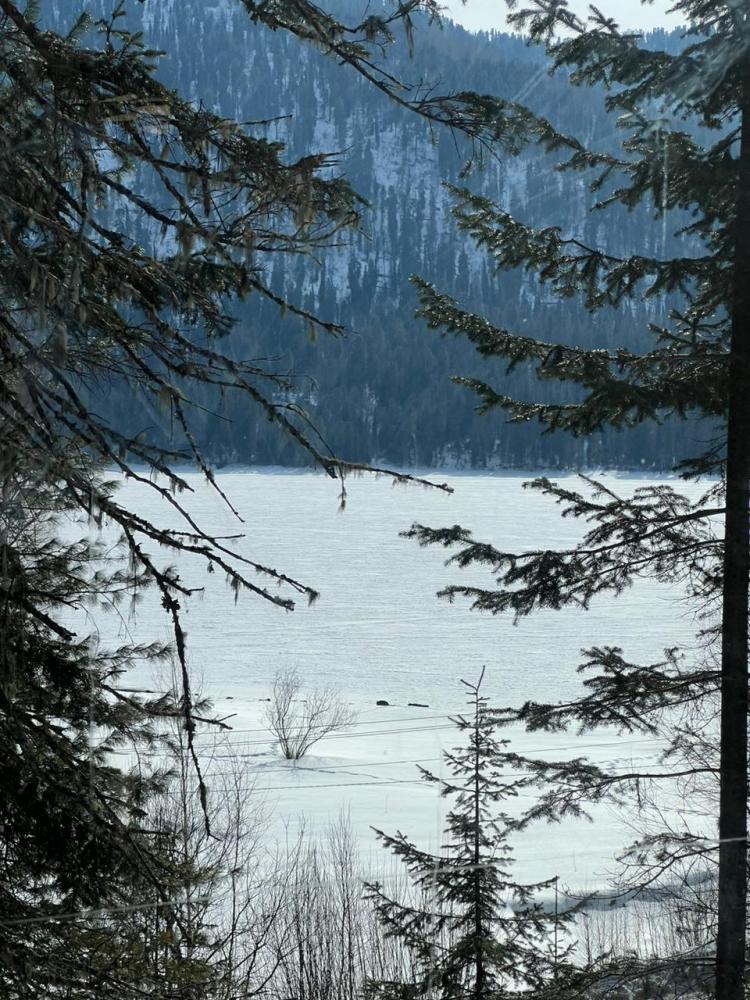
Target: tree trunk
x,y
478,928
731,938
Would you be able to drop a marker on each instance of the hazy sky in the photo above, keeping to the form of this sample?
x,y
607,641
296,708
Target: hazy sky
x,y
487,14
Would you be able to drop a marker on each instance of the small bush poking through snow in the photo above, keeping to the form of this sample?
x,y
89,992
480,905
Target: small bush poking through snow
x,y
299,722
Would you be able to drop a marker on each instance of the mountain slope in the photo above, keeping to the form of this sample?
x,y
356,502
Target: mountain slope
x,y
383,392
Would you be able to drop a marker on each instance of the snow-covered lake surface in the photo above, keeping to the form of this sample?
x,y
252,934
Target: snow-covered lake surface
x,y
378,632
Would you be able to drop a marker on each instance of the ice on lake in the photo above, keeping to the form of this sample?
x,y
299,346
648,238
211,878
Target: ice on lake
x,y
378,632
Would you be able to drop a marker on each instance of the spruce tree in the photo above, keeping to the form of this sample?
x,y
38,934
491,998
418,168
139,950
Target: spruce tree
x,y
685,149
83,124
470,930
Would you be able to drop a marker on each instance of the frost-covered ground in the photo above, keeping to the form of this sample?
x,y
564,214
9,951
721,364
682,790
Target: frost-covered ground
x,y
378,632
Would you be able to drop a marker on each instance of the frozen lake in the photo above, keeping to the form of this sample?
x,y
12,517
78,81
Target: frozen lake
x,y
378,632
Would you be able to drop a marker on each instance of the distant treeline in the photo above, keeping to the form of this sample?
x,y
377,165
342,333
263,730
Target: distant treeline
x,y
383,392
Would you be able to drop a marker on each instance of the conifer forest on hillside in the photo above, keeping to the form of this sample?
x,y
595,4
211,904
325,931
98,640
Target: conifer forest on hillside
x,y
371,391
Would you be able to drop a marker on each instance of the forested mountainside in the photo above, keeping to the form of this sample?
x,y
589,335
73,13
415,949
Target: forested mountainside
x,y
382,392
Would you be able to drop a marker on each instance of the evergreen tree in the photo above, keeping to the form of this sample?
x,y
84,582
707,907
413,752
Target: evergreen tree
x,y
82,120
77,857
685,121
470,930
